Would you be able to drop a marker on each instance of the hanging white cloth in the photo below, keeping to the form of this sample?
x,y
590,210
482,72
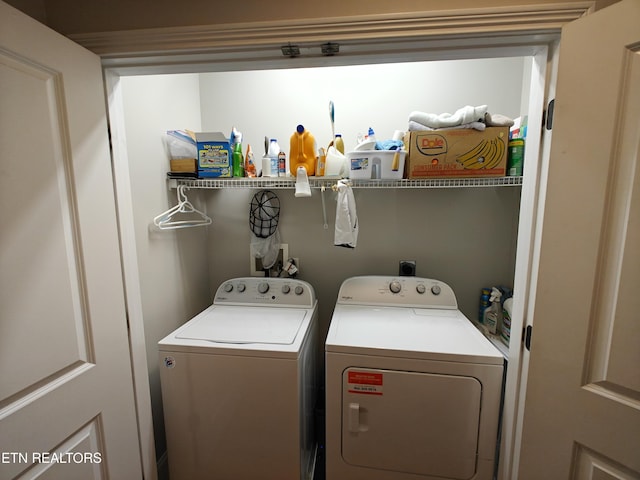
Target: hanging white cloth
x,y
346,234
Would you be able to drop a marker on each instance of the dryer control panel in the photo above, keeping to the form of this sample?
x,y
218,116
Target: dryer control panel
x,y
281,292
397,291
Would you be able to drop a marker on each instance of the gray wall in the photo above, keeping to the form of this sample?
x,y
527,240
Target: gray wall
x,y
464,237
273,102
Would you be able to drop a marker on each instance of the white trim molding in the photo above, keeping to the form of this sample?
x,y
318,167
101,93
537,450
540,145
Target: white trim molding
x,y
218,38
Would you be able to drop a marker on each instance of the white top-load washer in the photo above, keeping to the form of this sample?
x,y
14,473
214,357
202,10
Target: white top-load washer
x,y
413,389
239,384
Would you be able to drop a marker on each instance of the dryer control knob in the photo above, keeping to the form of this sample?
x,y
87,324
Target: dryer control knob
x,y
228,287
299,290
286,289
421,289
263,287
242,287
436,290
395,287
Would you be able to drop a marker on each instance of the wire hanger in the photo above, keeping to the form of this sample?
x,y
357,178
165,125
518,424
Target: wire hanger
x,y
191,217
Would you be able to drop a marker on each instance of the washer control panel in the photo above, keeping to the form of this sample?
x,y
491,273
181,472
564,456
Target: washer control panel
x,y
397,291
265,291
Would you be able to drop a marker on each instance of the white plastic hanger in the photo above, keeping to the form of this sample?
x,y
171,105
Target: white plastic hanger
x,y
171,219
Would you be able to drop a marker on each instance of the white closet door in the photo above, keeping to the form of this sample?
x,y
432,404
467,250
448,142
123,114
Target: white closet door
x,y
582,409
66,394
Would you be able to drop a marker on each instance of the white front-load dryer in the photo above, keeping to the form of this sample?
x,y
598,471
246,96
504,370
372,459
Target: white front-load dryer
x,y
413,389
239,384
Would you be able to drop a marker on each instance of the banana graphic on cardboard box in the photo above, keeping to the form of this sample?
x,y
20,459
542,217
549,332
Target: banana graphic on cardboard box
x,y
485,155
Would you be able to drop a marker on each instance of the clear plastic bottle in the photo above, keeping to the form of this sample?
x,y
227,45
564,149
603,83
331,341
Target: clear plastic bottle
x,y
493,314
272,153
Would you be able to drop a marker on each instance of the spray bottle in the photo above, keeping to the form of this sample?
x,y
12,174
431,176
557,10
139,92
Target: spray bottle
x,y
236,155
249,163
505,329
493,313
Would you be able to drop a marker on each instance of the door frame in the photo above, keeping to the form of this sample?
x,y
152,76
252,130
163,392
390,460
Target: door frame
x,y
131,275
464,34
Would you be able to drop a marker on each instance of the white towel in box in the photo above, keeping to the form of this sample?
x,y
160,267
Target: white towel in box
x,y
467,114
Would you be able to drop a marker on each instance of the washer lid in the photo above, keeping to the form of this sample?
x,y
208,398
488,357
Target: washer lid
x,y
222,324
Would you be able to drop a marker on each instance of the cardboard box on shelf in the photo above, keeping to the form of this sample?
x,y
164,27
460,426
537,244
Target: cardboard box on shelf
x,y
214,155
457,153
181,165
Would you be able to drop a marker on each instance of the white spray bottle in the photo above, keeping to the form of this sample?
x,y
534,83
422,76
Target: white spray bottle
x,y
492,316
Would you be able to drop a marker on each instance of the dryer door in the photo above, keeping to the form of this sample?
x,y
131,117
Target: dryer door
x,y
411,422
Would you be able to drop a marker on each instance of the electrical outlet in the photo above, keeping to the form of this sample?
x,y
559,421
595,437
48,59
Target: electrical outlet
x,y
407,268
256,268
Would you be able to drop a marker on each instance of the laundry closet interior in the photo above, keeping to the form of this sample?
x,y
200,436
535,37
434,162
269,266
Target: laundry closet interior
x,y
467,236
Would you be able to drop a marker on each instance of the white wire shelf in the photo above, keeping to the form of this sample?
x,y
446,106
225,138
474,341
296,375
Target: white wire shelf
x,y
327,182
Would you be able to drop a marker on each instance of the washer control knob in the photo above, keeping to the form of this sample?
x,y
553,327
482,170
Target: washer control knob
x,y
286,289
421,289
395,286
436,290
263,287
242,287
228,287
299,289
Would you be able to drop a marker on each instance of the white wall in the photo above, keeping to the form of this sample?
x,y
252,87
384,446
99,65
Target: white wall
x,y
466,237
272,103
173,264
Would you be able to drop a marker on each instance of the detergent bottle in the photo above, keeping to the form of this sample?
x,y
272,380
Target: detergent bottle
x,y
505,331
236,155
238,160
249,163
303,151
270,160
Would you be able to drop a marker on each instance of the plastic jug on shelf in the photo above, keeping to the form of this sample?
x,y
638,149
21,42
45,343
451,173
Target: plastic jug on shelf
x,y
335,163
303,151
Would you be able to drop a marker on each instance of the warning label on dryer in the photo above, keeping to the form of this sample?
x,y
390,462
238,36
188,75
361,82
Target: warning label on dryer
x,y
368,383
